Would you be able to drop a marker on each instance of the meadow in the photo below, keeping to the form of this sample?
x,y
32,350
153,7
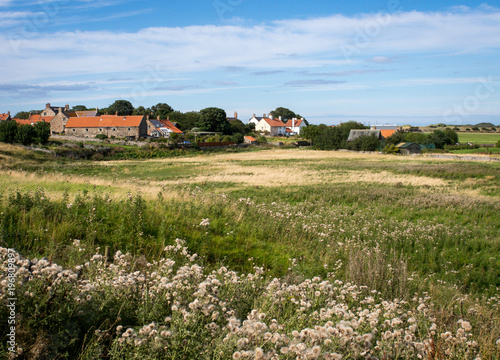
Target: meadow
x,y
478,138
272,254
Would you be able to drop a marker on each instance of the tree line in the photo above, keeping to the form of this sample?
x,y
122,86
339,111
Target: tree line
x,y
326,137
11,132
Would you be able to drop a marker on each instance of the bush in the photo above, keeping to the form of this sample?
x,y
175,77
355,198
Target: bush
x,y
42,130
101,136
25,135
391,149
498,144
8,130
365,143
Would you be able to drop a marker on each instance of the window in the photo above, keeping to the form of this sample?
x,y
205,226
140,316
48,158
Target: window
x,y
128,129
100,129
86,130
114,129
74,130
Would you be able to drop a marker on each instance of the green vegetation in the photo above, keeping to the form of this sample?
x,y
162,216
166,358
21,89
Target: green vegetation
x,y
326,239
11,132
479,138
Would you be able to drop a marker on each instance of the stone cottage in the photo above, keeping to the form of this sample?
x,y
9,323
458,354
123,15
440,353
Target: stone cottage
x,y
130,127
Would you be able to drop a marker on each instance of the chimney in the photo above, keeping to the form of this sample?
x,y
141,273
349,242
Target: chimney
x,y
168,117
8,113
270,116
264,115
116,113
253,115
48,105
280,118
147,117
66,107
158,117
235,115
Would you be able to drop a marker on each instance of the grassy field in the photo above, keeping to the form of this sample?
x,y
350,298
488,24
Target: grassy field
x,y
267,254
478,138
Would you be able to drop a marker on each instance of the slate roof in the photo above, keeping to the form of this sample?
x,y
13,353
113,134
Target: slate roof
x,y
86,113
405,145
354,134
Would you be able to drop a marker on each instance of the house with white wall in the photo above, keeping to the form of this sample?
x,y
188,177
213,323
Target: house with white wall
x,y
294,125
272,126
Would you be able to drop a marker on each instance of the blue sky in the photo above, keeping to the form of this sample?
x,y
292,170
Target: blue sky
x,y
393,61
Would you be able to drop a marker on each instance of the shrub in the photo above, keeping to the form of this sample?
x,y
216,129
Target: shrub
x,y
42,130
25,134
365,143
8,130
391,149
101,136
498,144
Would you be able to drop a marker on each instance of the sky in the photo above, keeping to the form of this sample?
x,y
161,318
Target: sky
x,y
377,62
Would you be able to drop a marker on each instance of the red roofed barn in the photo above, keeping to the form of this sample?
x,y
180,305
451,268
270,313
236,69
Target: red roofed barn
x,y
133,127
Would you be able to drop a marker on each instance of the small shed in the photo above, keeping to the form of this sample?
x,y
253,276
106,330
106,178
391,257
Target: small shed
x,y
250,140
407,148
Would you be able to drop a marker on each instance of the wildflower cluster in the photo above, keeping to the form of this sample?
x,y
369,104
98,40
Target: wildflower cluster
x,y
171,307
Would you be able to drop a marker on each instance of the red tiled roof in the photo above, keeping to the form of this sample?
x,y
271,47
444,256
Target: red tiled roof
x,y
104,121
295,123
4,117
34,118
250,138
168,124
274,122
387,133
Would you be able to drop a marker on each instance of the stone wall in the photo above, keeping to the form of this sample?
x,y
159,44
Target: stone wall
x,y
118,132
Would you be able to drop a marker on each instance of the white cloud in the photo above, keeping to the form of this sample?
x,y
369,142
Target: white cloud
x,y
312,44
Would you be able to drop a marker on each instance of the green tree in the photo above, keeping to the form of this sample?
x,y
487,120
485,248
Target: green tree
x,y
22,115
141,110
162,110
328,138
25,134
42,132
284,113
214,119
121,107
310,132
451,135
8,131
365,143
237,138
237,127
79,108
396,138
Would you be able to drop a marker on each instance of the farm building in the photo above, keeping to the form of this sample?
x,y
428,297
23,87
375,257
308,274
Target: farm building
x,y
133,127
354,134
407,148
162,128
250,140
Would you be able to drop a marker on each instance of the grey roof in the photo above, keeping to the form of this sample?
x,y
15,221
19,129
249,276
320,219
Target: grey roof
x,y
405,145
354,134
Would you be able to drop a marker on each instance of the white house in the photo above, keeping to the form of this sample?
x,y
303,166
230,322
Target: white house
x,y
272,126
255,119
294,125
